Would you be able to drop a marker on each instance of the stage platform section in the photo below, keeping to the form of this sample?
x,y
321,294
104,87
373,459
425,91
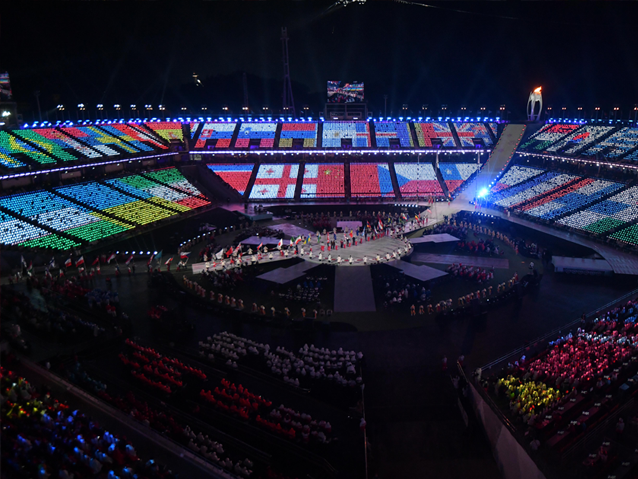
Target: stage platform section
x,y
565,264
256,240
256,216
421,273
500,263
353,290
439,238
285,275
293,231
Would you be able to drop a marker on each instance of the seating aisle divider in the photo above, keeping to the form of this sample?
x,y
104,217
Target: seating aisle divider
x,y
347,188
251,182
439,176
298,187
499,159
395,182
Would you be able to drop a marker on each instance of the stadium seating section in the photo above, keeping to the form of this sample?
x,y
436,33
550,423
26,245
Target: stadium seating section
x,y
11,146
616,145
193,126
606,215
275,181
92,211
169,130
455,174
111,130
571,198
298,131
237,176
467,131
585,136
627,235
548,135
417,179
173,177
219,132
98,140
426,132
531,189
335,131
262,131
515,175
323,180
50,146
136,135
384,131
67,143
370,180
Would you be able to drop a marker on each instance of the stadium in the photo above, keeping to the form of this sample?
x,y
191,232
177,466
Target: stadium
x,y
346,289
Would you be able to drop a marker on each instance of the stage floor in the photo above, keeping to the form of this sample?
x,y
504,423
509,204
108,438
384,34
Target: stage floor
x,y
353,290
479,261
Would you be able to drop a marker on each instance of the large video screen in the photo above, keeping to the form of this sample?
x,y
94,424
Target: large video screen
x,y
344,92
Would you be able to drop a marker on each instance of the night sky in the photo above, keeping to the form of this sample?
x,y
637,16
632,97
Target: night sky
x,y
474,54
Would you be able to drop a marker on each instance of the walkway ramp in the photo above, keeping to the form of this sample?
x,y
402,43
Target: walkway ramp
x,y
421,273
353,290
499,159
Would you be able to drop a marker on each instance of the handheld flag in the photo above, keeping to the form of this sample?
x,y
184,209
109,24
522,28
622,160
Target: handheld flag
x,y
110,258
381,225
260,245
291,243
95,261
79,262
158,256
169,261
30,268
68,263
24,263
128,261
280,244
52,263
184,255
150,260
229,252
297,241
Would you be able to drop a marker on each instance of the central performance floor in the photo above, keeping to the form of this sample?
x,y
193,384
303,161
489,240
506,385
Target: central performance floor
x,y
479,261
353,290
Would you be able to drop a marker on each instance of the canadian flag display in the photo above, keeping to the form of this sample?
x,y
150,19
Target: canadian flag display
x,y
275,181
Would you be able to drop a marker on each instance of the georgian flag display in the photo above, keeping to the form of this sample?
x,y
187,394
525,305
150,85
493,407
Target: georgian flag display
x,y
275,181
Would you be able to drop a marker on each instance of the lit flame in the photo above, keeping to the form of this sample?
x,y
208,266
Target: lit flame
x,y
538,90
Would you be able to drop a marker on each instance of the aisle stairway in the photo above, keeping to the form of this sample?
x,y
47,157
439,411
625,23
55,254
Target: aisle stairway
x,y
499,159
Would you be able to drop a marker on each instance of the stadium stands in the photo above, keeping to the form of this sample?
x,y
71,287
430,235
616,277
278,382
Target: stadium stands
x,y
136,136
193,126
275,181
125,137
426,132
221,133
237,176
141,186
606,215
627,235
98,140
548,135
52,147
616,145
173,177
572,197
494,128
531,189
323,180
60,214
17,232
68,143
467,131
583,137
11,146
417,179
370,180
384,131
515,175
336,131
169,130
455,174
262,131
306,131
